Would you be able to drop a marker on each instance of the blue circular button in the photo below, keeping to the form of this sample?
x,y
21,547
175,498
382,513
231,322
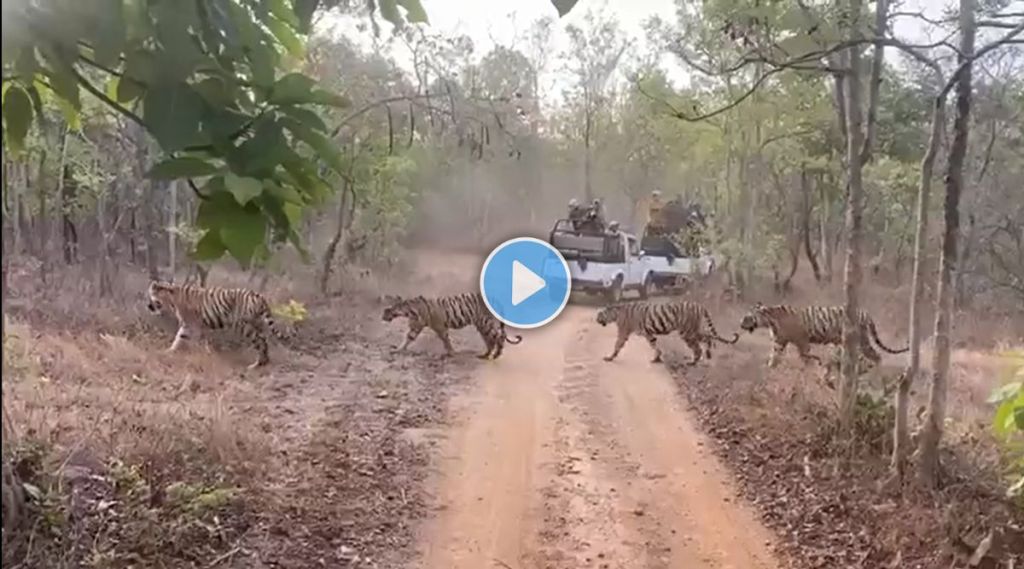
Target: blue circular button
x,y
525,282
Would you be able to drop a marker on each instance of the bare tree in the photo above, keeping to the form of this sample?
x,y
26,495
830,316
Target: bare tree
x,y
901,436
931,433
595,53
855,143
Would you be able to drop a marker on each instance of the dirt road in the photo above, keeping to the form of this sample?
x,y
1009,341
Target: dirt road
x,y
561,460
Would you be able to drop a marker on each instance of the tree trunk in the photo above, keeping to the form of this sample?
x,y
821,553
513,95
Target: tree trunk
x,y
805,223
69,232
172,233
344,205
826,244
960,298
150,221
931,433
877,63
588,189
149,216
59,195
854,211
901,434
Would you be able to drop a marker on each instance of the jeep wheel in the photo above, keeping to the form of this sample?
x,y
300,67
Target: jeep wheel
x,y
647,289
614,292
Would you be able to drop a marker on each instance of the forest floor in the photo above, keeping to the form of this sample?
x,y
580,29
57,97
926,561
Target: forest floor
x,y
345,454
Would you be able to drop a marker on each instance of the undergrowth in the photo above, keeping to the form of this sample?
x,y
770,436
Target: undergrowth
x,y
111,477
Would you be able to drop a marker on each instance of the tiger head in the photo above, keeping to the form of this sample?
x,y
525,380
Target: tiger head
x,y
753,319
608,314
159,296
394,309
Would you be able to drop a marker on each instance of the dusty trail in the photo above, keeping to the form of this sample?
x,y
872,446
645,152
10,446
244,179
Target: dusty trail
x,y
561,460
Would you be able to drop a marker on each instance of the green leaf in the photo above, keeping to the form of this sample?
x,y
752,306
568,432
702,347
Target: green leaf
x,y
1004,420
304,13
1004,392
17,111
298,89
262,152
243,188
184,167
26,65
296,241
322,97
108,31
284,193
282,11
71,114
140,66
389,11
243,233
210,247
294,88
563,6
221,124
214,91
414,12
284,34
241,229
262,61
799,45
63,81
306,117
128,90
179,55
111,89
326,149
172,114
294,214
1018,417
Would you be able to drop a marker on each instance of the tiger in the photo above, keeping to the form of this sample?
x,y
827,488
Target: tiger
x,y
195,307
451,312
811,325
652,319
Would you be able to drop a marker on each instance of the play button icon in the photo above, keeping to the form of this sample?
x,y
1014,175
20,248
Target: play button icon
x,y
525,282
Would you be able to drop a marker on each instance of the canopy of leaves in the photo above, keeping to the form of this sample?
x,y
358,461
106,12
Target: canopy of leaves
x,y
210,81
1009,420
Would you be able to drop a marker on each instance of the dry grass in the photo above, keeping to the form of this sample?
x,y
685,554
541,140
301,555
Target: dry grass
x,y
127,444
147,459
776,427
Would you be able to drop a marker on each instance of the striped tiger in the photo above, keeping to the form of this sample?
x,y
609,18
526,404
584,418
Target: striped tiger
x,y
445,313
811,325
242,310
652,319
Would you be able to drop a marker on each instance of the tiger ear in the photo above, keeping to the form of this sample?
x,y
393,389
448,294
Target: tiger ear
x,y
391,299
159,286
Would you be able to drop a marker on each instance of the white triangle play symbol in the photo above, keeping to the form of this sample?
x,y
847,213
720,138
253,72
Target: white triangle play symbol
x,y
525,283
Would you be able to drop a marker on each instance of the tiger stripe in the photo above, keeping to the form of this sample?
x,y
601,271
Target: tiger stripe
x,y
451,312
245,311
812,325
653,319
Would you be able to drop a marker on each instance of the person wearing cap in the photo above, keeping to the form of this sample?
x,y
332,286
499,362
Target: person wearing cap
x,y
597,211
576,213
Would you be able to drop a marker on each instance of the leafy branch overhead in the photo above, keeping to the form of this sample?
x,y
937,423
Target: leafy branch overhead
x,y
210,81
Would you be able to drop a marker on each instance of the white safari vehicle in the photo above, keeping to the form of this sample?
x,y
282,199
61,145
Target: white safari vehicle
x,y
611,263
